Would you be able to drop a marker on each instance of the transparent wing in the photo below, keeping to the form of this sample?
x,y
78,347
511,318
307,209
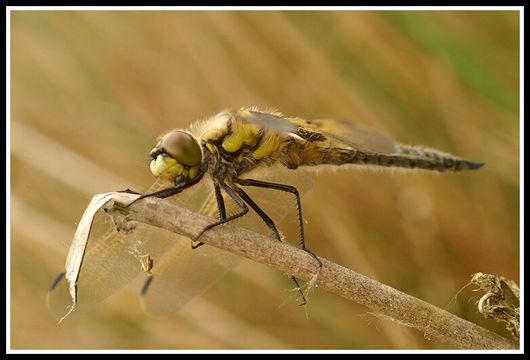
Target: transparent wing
x,y
113,259
176,273
356,135
337,132
184,273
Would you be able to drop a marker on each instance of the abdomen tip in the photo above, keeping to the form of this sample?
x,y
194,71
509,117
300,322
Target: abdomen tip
x,y
477,165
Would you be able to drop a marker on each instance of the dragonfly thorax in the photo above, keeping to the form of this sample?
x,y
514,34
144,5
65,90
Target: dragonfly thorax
x,y
220,166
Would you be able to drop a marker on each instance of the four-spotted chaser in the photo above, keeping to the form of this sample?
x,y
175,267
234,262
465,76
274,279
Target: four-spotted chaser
x,y
229,149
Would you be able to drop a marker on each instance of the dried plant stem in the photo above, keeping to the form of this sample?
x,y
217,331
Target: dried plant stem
x,y
379,298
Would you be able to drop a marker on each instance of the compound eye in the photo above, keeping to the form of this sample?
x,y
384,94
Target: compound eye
x,y
182,147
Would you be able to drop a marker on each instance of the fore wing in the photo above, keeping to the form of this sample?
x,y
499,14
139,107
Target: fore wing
x,y
178,273
113,259
183,274
336,133
354,135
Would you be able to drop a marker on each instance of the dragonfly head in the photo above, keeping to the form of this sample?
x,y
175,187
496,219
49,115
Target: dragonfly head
x,y
177,157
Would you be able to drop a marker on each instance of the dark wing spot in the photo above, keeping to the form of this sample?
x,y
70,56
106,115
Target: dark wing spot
x,y
147,284
57,280
310,135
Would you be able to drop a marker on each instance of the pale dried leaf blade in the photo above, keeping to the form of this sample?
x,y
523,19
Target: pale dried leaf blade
x,y
78,247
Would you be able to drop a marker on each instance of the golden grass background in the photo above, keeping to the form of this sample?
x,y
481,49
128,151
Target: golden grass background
x,y
91,90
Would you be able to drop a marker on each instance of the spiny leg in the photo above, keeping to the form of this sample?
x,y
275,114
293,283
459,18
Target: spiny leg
x,y
270,223
239,202
161,194
220,202
289,189
164,193
220,206
129,191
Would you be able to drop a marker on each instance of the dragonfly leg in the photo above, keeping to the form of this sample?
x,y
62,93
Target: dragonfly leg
x,y
239,202
129,191
292,190
220,206
270,223
164,193
220,202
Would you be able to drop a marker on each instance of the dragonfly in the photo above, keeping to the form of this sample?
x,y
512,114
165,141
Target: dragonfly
x,y
246,166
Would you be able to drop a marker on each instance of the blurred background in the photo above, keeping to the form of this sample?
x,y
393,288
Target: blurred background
x,y
91,90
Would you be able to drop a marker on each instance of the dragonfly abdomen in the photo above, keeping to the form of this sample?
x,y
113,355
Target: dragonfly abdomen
x,y
409,157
